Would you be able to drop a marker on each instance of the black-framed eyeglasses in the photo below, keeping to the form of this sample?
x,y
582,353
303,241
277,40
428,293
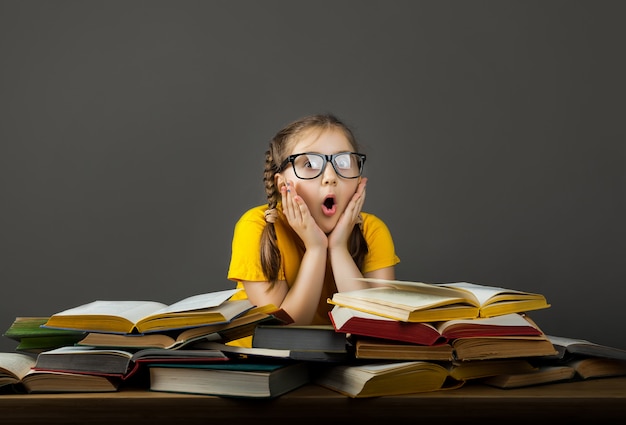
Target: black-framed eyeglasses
x,y
309,165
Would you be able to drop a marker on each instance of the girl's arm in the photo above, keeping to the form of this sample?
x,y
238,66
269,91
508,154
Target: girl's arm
x,y
344,269
301,300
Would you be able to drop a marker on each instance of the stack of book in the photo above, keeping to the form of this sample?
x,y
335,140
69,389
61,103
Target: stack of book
x,y
471,331
102,344
397,338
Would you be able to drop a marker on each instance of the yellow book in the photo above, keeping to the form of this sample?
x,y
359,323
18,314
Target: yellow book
x,y
238,327
385,378
430,302
150,316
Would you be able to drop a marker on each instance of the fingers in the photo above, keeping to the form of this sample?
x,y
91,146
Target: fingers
x,y
292,203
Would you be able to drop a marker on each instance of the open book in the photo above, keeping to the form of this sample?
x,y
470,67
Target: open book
x,y
569,347
236,328
14,366
17,369
385,378
427,302
117,362
151,316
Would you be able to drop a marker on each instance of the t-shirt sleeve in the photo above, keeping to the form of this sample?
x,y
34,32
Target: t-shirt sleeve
x,y
382,252
245,262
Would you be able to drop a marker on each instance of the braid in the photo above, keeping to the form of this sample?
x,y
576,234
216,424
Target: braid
x,y
270,255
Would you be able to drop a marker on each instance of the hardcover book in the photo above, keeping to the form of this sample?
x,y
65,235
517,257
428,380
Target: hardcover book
x,y
233,379
116,362
480,348
33,338
348,320
127,317
238,327
568,347
300,338
384,349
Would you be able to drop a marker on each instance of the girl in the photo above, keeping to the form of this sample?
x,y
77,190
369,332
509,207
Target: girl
x,y
311,239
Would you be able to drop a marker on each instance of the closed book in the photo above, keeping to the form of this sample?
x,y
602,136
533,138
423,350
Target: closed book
x,y
499,347
300,338
233,379
38,381
541,375
384,349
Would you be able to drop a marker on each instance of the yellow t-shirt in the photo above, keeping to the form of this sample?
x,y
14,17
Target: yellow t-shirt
x,y
245,263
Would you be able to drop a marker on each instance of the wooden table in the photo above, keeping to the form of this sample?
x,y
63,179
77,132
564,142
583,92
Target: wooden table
x,y
590,402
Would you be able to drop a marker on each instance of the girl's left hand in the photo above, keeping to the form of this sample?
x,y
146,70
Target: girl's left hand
x,y
338,238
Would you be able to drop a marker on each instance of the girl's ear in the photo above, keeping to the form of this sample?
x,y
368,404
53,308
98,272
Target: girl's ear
x,y
279,180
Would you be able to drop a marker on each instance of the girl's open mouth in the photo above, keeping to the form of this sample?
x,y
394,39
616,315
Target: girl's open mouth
x,y
329,207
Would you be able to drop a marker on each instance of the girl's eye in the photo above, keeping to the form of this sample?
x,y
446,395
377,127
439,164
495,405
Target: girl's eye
x,y
313,162
343,161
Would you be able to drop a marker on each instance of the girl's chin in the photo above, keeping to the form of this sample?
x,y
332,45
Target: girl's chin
x,y
327,224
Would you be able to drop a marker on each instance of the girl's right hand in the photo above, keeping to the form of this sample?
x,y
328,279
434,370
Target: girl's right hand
x,y
300,219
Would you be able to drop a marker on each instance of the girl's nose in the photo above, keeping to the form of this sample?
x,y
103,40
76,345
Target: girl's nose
x,y
329,176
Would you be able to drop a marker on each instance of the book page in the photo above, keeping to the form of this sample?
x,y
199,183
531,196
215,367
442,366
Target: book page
x,y
424,288
481,292
16,364
197,302
131,310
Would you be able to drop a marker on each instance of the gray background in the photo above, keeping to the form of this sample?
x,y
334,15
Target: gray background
x,y
132,137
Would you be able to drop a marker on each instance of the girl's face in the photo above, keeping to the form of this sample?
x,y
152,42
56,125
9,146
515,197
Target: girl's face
x,y
327,195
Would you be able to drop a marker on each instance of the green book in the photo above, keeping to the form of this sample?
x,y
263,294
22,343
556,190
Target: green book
x,y
31,337
231,379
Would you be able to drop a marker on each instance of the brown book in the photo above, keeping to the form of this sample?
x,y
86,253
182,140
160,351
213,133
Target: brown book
x,y
598,367
476,369
541,375
502,347
376,348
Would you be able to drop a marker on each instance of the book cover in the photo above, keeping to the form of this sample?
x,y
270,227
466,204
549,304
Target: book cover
x,y
300,338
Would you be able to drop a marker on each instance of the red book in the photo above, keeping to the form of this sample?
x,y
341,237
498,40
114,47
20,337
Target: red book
x,y
357,322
